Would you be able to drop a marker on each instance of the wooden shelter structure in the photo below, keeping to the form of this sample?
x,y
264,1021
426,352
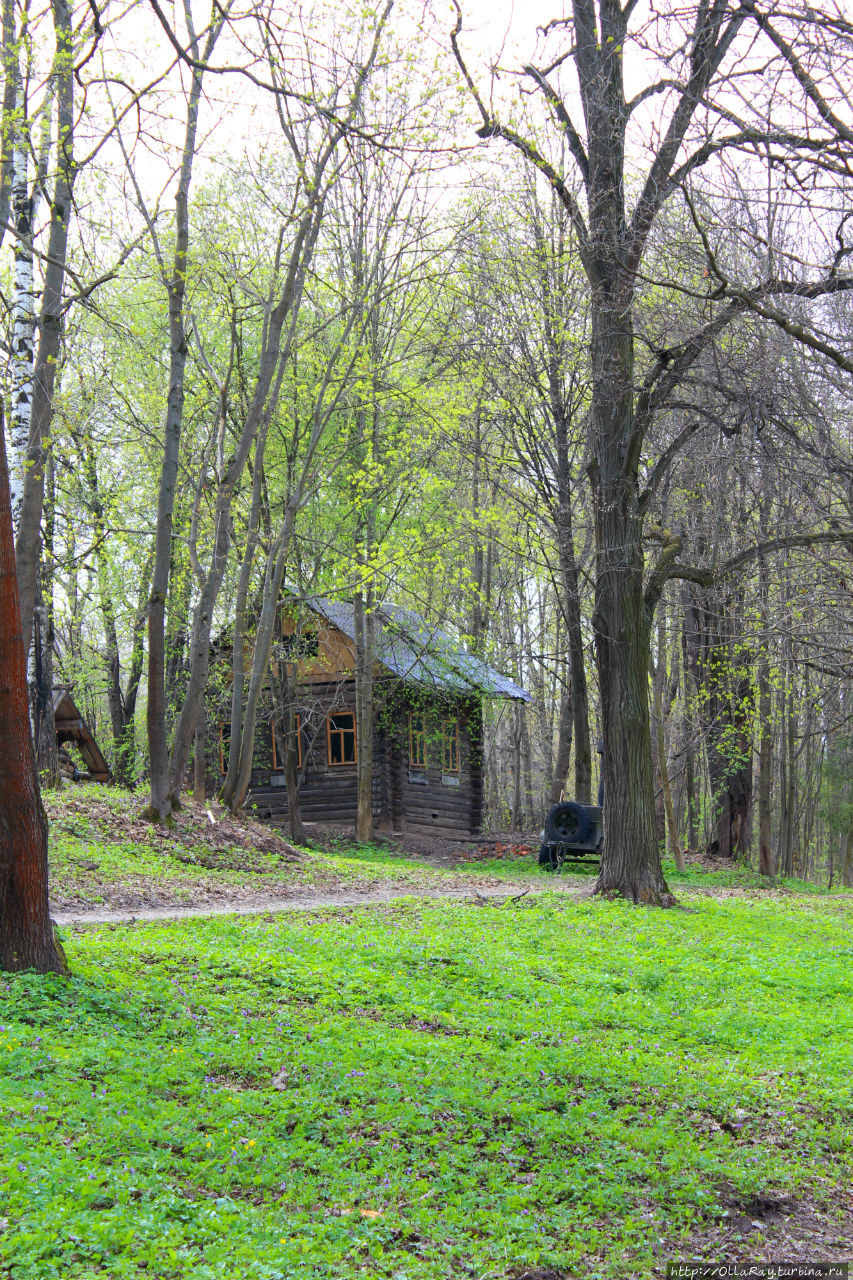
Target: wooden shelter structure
x,y
428,721
71,727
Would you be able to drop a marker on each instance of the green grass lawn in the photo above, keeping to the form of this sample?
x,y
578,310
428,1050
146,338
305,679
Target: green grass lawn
x,y
426,1091
726,876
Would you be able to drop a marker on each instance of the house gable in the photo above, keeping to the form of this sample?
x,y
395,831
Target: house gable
x,y
321,651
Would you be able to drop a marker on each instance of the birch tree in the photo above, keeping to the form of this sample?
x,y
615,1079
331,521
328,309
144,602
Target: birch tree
x,y
59,197
23,288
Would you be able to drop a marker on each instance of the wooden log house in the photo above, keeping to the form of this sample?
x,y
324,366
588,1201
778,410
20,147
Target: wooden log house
x,y
428,714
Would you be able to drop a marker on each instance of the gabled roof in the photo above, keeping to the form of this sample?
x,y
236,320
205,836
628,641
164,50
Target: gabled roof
x,y
71,727
419,653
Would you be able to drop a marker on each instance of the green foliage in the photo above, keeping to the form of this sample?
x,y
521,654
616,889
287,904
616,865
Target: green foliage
x,y
420,1091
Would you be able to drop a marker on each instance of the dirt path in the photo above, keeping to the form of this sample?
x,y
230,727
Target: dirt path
x,y
307,902
481,892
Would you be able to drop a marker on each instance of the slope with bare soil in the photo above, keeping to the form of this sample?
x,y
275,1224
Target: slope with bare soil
x,y
104,857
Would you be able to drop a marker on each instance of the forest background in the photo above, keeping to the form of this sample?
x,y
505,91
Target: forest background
x,y
303,298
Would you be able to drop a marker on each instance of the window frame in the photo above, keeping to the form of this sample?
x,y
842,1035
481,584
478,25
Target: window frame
x,y
415,736
452,740
341,764
304,646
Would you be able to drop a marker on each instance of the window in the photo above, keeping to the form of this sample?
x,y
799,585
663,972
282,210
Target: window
x,y
340,731
263,750
417,741
303,645
450,746
279,764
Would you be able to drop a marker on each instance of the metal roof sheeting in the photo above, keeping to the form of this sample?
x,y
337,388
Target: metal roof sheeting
x,y
420,653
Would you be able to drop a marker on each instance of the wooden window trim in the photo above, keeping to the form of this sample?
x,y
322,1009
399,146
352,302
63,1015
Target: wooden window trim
x,y
450,738
341,764
415,736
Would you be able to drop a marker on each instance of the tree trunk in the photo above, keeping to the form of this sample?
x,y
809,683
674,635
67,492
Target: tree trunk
x,y
27,939
572,614
125,751
845,861
159,806
546,705
50,323
765,710
527,768
660,807
199,759
41,697
782,846
791,803
241,618
234,794
122,757
765,768
690,798
663,767
291,779
11,81
290,754
365,650
515,807
255,428
160,794
479,606
564,748
177,625
630,860
630,863
41,700
23,306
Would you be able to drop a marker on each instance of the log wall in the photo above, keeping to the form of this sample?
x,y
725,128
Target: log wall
x,y
405,798
432,801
